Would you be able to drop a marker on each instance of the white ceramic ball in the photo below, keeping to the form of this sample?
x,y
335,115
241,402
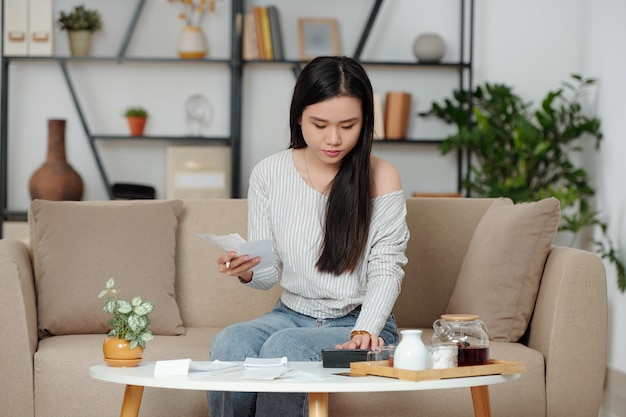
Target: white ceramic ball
x,y
429,47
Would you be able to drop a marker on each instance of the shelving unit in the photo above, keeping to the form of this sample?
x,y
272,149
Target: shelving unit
x,y
463,67
236,66
233,140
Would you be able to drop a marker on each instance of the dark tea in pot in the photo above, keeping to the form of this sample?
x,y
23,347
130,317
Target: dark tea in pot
x,y
472,355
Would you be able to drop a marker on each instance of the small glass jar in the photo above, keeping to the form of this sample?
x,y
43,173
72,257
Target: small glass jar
x,y
467,333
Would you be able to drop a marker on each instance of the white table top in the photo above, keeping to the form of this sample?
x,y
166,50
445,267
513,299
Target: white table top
x,y
304,377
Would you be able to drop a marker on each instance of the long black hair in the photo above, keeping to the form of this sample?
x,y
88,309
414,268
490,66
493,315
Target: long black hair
x,y
349,206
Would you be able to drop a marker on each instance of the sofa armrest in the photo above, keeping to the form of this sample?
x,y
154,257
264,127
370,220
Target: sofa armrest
x,y
18,327
569,327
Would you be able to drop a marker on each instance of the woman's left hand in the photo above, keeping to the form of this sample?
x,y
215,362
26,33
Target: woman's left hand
x,y
362,341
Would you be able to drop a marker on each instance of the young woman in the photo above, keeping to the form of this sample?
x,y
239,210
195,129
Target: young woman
x,y
335,215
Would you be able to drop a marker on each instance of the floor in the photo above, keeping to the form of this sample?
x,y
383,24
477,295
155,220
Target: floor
x,y
614,404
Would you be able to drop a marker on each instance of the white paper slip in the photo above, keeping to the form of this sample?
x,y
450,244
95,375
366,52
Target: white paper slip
x,y
265,374
182,367
174,367
264,368
215,367
251,363
234,242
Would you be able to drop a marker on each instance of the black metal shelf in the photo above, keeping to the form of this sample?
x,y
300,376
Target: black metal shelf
x,y
65,62
15,215
408,141
235,64
173,138
118,59
407,64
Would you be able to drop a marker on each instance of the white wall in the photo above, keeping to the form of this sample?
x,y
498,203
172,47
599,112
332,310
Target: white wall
x,y
532,45
604,58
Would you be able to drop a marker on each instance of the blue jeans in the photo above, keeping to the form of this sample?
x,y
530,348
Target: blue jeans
x,y
281,332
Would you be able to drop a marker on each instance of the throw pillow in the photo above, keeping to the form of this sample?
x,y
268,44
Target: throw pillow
x,y
78,246
500,274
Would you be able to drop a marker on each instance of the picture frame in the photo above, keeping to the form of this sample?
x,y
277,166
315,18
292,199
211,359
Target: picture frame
x,y
318,36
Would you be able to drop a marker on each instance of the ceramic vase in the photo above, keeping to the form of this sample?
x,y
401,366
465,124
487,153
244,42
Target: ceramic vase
x,y
80,41
429,47
397,114
56,179
117,353
191,44
411,353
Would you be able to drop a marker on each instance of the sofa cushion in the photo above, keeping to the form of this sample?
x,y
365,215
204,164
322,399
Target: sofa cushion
x,y
78,246
500,274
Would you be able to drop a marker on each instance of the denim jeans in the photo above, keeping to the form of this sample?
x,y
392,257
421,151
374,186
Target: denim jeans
x,y
281,332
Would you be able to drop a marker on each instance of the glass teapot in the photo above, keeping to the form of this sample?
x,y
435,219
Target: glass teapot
x,y
468,333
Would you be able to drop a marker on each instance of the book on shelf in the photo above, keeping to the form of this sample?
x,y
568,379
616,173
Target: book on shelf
x,y
258,28
250,47
263,31
276,33
266,35
379,118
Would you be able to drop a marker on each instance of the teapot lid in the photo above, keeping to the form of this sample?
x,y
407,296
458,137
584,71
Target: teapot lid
x,y
459,317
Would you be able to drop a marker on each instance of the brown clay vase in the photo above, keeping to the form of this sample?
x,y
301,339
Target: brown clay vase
x,y
56,179
117,353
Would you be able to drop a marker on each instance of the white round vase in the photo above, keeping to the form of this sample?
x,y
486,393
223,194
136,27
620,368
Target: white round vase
x,y
191,44
411,352
429,47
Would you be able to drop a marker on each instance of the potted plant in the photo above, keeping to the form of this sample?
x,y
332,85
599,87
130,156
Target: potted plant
x,y
137,117
525,154
80,23
126,341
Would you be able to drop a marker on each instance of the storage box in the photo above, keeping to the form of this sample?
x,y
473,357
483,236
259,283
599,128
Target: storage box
x,y
15,27
196,172
41,26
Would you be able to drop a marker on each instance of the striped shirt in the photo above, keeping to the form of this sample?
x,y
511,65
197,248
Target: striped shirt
x,y
284,209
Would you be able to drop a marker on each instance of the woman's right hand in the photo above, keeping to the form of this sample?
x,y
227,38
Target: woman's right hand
x,y
237,266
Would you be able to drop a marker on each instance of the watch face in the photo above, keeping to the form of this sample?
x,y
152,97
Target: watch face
x,y
199,112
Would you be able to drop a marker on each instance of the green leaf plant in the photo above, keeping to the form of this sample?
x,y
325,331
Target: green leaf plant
x,y
525,154
130,319
80,18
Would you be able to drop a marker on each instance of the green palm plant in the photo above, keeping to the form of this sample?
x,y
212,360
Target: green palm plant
x,y
525,154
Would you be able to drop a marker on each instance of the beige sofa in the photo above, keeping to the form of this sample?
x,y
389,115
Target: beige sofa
x,y
564,348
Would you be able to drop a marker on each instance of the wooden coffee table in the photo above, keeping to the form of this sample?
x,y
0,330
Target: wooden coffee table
x,y
309,377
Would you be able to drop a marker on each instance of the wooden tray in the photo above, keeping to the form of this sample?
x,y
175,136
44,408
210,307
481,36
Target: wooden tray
x,y
493,367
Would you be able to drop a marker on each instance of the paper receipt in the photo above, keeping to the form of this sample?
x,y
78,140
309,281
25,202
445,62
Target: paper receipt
x,y
234,242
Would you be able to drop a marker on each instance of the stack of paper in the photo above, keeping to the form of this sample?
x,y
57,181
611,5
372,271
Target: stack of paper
x,y
264,368
182,367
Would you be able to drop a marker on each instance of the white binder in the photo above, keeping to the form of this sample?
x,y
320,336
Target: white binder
x,y
41,28
15,27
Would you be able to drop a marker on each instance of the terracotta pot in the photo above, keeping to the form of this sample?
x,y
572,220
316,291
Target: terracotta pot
x,y
56,179
137,125
117,352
